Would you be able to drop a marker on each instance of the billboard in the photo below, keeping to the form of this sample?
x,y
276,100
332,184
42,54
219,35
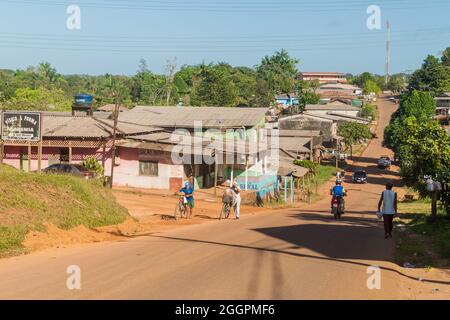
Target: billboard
x,y
24,126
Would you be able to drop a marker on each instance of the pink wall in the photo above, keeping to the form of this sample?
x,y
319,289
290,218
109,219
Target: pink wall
x,y
126,171
12,155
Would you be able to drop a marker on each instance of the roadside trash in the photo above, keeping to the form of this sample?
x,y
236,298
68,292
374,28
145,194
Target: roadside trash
x,y
435,290
420,279
408,265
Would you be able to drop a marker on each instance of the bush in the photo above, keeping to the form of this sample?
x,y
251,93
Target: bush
x,y
92,164
308,164
368,111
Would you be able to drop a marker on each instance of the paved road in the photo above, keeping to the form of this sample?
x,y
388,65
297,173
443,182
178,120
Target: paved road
x,y
289,254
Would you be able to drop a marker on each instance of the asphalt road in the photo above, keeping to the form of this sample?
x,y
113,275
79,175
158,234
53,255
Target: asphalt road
x,y
288,254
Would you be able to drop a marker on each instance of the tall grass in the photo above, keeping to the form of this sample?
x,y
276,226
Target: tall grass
x,y
30,200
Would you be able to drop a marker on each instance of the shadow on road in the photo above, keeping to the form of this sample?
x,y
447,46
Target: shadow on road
x,y
295,254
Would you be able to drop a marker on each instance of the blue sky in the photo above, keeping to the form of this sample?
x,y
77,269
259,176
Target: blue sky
x,y
325,35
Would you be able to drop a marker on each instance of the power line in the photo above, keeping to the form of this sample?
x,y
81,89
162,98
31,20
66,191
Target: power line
x,y
326,7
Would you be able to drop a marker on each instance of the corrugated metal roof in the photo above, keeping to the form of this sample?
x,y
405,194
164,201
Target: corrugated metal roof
x,y
299,133
71,127
287,167
331,107
209,117
112,107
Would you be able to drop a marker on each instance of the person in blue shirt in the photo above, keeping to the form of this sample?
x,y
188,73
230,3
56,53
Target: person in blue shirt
x,y
188,192
338,191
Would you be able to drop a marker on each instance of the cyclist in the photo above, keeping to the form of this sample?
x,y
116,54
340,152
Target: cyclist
x,y
188,192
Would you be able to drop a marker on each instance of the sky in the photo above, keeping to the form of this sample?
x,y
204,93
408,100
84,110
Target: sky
x,y
324,35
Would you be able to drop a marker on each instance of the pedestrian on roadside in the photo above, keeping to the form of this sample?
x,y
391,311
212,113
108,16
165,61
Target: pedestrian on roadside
x,y
236,200
387,206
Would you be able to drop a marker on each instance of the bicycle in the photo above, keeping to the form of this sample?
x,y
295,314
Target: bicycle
x,y
181,208
225,210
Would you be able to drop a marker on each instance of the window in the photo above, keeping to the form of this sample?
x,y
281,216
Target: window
x,y
148,168
64,155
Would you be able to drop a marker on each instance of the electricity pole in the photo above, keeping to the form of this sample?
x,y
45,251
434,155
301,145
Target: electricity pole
x,y
113,160
388,53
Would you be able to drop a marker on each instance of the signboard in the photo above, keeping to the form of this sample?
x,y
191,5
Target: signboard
x,y
23,126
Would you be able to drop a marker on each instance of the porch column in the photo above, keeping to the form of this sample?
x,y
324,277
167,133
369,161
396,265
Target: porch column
x,y
103,155
40,156
2,151
29,156
70,152
216,172
246,173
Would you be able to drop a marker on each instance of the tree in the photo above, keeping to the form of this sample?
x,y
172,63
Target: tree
x,y
368,111
433,77
420,105
416,106
396,83
361,79
40,99
353,133
371,86
279,71
170,75
445,59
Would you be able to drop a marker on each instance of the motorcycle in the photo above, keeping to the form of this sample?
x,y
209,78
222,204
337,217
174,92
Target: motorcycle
x,y
337,206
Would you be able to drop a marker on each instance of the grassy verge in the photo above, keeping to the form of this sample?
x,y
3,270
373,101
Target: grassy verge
x,y
421,242
29,201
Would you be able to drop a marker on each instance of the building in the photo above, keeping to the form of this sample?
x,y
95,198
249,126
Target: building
x,y
339,90
336,107
323,77
443,107
172,118
148,156
111,107
287,100
64,139
327,124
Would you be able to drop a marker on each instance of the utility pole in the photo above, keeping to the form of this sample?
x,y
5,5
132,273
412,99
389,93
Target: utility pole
x,y
388,53
113,160
338,154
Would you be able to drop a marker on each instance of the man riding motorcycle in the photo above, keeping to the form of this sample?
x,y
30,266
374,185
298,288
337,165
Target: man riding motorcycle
x,y
338,192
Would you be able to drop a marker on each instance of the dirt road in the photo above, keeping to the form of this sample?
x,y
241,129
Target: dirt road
x,y
287,254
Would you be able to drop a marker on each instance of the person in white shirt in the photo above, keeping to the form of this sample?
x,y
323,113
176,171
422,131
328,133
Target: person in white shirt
x,y
388,200
236,199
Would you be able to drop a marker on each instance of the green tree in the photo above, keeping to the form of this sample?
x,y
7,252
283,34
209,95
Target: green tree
x,y
279,71
396,83
92,164
40,99
445,59
371,86
433,77
368,111
353,133
420,105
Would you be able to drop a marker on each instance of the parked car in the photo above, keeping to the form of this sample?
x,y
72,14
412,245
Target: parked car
x,y
384,162
359,176
70,169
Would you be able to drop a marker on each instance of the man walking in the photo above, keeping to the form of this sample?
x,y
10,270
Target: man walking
x,y
388,200
236,199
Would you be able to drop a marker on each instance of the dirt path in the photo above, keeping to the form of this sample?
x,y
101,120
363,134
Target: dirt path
x,y
299,253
